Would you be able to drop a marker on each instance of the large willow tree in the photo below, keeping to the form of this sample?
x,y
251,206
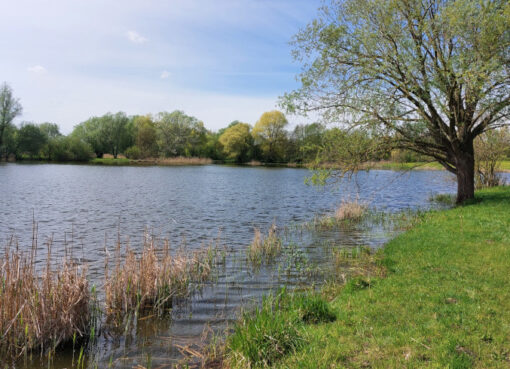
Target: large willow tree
x,y
430,74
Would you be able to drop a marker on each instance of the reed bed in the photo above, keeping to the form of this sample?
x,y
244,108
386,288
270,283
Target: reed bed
x,y
151,279
264,248
40,310
181,160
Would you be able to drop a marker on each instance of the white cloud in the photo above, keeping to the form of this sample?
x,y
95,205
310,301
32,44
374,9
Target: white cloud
x,y
37,69
135,37
165,74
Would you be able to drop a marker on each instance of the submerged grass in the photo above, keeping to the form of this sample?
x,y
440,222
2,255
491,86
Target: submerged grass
x,y
41,309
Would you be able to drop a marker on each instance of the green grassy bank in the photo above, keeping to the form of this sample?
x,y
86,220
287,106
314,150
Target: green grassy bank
x,y
444,301
391,165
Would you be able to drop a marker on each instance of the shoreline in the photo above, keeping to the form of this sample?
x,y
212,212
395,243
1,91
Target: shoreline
x,y
167,162
436,301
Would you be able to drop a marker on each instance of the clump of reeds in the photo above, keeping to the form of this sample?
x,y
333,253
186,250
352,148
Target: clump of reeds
x,y
350,210
40,310
264,249
151,279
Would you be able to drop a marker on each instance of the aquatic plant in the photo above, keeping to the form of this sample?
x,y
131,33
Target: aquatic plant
x,y
150,280
264,249
350,210
41,309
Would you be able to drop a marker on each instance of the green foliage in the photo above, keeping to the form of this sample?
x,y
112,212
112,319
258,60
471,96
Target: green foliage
x,y
30,140
133,152
180,134
145,136
10,108
237,142
305,142
270,135
110,133
431,77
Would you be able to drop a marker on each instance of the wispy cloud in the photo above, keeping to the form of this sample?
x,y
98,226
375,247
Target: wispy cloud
x,y
135,37
165,74
37,69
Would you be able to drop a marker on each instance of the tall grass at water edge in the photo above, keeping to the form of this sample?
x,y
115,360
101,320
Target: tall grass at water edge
x,y
44,306
151,279
41,309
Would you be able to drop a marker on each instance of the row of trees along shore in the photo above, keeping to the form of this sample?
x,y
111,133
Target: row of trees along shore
x,y
174,134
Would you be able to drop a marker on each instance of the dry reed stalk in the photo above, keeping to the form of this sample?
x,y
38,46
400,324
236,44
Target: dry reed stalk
x,y
150,280
40,310
264,248
353,210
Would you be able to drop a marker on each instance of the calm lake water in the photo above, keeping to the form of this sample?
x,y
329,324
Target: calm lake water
x,y
89,205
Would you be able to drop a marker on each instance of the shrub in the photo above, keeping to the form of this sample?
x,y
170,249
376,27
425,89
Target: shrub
x,y
133,152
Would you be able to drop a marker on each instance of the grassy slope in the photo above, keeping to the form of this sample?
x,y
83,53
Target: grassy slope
x,y
444,303
389,165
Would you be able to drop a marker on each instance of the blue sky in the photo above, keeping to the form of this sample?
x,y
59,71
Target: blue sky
x,y
218,60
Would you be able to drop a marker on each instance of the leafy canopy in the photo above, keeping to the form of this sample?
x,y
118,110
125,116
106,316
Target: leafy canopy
x,y
433,74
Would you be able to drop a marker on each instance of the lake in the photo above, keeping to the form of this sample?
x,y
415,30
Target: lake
x,y
88,206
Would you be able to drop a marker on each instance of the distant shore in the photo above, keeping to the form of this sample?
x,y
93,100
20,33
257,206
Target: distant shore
x,y
183,161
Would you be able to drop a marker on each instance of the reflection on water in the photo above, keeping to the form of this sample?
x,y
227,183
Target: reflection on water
x,y
86,205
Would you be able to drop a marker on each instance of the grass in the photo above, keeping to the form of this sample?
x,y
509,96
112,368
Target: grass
x,y
41,309
391,165
505,165
264,248
262,337
444,301
150,280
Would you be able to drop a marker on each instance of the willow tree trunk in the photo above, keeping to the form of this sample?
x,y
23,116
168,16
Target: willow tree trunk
x,y
465,164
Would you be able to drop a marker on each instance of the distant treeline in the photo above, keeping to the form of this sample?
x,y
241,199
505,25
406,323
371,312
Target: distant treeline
x,y
172,135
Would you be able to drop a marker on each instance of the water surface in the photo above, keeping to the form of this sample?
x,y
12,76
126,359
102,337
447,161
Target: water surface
x,y
87,206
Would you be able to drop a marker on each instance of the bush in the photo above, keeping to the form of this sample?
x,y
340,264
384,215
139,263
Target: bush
x,y
133,152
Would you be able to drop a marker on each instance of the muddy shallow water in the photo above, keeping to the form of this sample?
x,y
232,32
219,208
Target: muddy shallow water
x,y
87,206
